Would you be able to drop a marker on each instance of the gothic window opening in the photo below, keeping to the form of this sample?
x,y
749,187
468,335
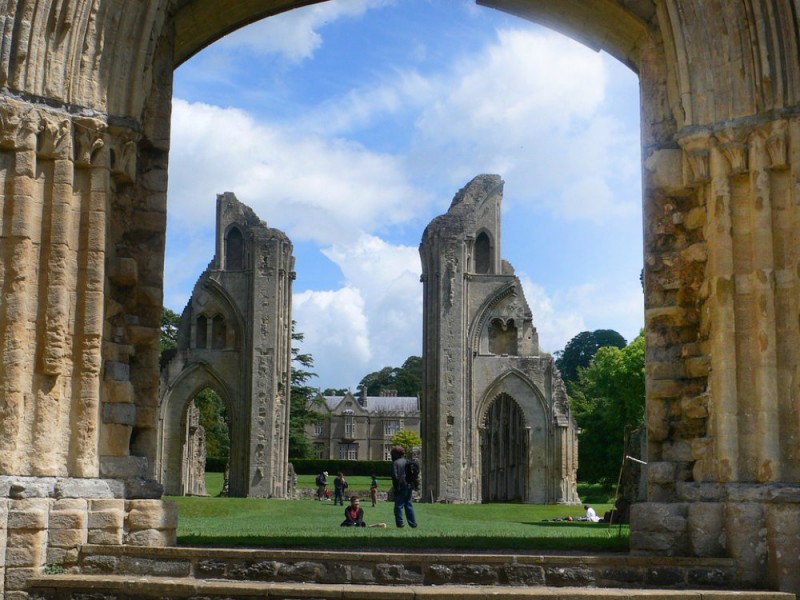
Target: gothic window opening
x,y
483,253
504,452
201,337
234,250
218,333
503,337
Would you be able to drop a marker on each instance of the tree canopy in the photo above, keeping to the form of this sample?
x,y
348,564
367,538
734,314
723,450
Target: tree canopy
x,y
580,350
302,397
407,439
407,380
608,395
170,320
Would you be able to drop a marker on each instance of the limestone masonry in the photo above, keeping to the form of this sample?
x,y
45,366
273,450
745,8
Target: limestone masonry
x,y
85,101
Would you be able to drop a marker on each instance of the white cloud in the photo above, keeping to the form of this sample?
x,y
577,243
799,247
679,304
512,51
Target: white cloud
x,y
315,188
295,34
382,294
556,326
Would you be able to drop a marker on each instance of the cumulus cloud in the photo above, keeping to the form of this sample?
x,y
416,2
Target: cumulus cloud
x,y
316,188
295,34
371,322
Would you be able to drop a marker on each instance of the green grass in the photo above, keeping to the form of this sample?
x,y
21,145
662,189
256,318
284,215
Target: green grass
x,y
253,522
356,482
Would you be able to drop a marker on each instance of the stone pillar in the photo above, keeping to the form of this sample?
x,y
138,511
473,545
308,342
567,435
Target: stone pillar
x,y
722,419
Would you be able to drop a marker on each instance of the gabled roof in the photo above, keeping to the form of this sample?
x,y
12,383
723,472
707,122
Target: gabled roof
x,y
375,404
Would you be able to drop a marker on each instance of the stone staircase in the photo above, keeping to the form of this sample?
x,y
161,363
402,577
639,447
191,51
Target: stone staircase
x,y
125,573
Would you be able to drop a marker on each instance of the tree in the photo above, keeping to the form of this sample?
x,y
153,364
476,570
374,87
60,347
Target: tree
x,y
302,400
580,350
407,439
608,395
170,321
214,419
407,380
335,391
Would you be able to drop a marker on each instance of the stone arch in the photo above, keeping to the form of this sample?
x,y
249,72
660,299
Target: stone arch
x,y
535,425
224,306
479,328
719,131
191,381
483,253
234,249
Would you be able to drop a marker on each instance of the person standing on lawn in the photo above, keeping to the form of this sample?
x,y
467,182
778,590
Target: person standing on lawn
x,y
339,486
373,491
322,484
402,489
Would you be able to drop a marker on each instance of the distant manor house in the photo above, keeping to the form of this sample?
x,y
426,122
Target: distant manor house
x,y
361,427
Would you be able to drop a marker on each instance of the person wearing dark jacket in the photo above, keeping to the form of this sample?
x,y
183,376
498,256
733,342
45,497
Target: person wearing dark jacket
x,y
354,514
339,486
402,489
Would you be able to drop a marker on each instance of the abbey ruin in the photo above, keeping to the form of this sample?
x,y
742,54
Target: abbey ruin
x,y
235,338
84,147
496,425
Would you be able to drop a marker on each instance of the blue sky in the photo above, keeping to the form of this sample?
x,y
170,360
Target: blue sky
x,y
351,124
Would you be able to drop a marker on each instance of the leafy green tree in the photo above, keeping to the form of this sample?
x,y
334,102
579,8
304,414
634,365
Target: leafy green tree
x,y
303,397
170,321
407,439
580,350
407,380
334,391
214,419
608,395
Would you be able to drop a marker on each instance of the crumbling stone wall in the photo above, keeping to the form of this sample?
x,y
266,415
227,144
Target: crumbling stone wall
x,y
235,338
480,348
720,90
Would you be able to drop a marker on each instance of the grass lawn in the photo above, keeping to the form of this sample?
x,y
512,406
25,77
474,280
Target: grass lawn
x,y
254,522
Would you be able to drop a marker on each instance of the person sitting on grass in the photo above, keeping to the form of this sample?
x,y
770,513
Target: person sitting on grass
x,y
354,515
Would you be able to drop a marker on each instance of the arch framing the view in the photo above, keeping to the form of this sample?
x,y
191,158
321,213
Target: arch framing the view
x,y
720,139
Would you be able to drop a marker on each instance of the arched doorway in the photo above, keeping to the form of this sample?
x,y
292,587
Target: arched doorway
x,y
504,452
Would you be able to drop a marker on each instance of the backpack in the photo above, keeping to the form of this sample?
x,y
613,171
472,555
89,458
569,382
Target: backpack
x,y
412,474
320,479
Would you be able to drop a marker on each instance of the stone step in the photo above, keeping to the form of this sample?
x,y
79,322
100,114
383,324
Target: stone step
x,y
409,568
118,587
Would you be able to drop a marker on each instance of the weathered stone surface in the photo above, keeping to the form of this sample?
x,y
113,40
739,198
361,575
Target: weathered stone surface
x,y
151,537
395,574
151,514
88,488
512,382
560,576
67,519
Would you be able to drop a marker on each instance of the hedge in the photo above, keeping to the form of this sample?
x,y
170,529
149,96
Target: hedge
x,y
312,466
216,464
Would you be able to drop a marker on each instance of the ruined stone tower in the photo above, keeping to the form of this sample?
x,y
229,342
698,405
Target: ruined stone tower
x,y
235,338
496,425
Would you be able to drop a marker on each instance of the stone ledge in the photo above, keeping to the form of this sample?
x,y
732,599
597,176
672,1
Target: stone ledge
x,y
60,587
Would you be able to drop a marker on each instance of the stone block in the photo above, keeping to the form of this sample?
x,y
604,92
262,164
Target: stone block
x,y
335,573
106,519
698,366
116,371
119,391
527,575
661,472
105,537
123,271
152,537
211,569
67,538
706,527
568,576
62,556
135,565
394,574
115,440
746,541
695,407
663,388
438,575
123,467
25,556
359,574
20,488
67,519
663,576
665,171
119,414
300,571
74,504
151,514
89,488
24,519
98,504
678,451
143,489
475,574
100,565
695,218
17,579
783,544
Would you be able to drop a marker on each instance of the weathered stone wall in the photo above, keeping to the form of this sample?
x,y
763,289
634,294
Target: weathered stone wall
x,y
480,344
235,338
